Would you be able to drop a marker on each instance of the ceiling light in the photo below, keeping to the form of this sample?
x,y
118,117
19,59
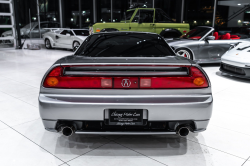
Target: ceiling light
x,y
239,4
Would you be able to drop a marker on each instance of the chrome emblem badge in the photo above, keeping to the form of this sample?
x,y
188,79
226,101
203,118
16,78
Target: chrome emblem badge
x,y
126,83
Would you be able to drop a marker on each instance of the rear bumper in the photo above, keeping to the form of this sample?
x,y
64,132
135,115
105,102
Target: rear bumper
x,y
196,108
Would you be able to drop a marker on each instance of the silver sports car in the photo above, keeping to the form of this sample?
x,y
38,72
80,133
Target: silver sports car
x,y
125,83
32,30
236,61
65,38
203,45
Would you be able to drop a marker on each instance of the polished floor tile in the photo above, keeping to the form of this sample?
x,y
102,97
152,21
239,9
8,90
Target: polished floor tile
x,y
225,140
17,89
26,142
175,151
18,150
31,99
15,111
113,154
3,126
247,163
65,148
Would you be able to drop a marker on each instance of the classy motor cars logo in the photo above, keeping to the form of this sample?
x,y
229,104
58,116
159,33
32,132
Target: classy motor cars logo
x,y
126,83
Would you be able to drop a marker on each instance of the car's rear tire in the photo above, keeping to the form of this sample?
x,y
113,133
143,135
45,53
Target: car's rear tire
x,y
184,53
75,43
47,44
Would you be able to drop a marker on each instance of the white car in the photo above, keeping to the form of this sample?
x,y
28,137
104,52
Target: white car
x,y
65,38
236,61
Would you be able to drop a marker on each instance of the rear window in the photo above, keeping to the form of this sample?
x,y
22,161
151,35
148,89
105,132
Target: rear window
x,y
125,45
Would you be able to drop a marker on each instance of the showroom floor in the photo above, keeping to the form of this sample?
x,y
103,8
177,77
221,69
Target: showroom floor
x,y
24,142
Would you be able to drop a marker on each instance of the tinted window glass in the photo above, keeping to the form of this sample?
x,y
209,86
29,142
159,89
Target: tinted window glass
x,y
161,16
128,15
81,32
66,31
4,8
136,17
147,16
196,33
125,45
44,25
53,25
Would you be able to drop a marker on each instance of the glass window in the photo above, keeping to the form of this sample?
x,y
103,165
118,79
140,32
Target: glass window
x,y
6,43
233,19
198,13
86,15
103,10
49,10
196,33
54,25
136,17
81,32
147,16
71,13
4,8
49,16
5,32
5,20
44,25
126,45
119,8
128,15
161,17
143,3
169,7
64,32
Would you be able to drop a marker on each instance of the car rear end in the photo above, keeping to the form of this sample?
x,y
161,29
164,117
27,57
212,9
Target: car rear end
x,y
125,96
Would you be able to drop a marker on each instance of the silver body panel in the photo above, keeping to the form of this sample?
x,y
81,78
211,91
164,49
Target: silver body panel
x,y
205,51
58,40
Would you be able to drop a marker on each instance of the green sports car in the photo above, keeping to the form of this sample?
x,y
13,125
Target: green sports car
x,y
144,20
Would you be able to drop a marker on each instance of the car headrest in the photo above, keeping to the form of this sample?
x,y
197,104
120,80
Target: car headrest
x,y
216,35
226,36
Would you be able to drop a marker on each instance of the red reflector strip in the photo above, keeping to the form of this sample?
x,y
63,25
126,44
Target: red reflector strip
x,y
106,82
145,82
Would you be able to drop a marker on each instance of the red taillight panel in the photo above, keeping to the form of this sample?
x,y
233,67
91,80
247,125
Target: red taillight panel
x,y
195,79
57,71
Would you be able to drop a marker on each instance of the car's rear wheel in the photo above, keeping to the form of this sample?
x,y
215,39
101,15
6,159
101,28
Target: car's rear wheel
x,y
184,53
47,44
76,43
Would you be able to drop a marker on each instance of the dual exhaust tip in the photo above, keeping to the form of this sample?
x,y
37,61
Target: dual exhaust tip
x,y
68,130
182,131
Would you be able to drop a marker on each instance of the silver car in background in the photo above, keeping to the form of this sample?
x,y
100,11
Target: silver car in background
x,y
125,83
65,38
32,30
203,45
